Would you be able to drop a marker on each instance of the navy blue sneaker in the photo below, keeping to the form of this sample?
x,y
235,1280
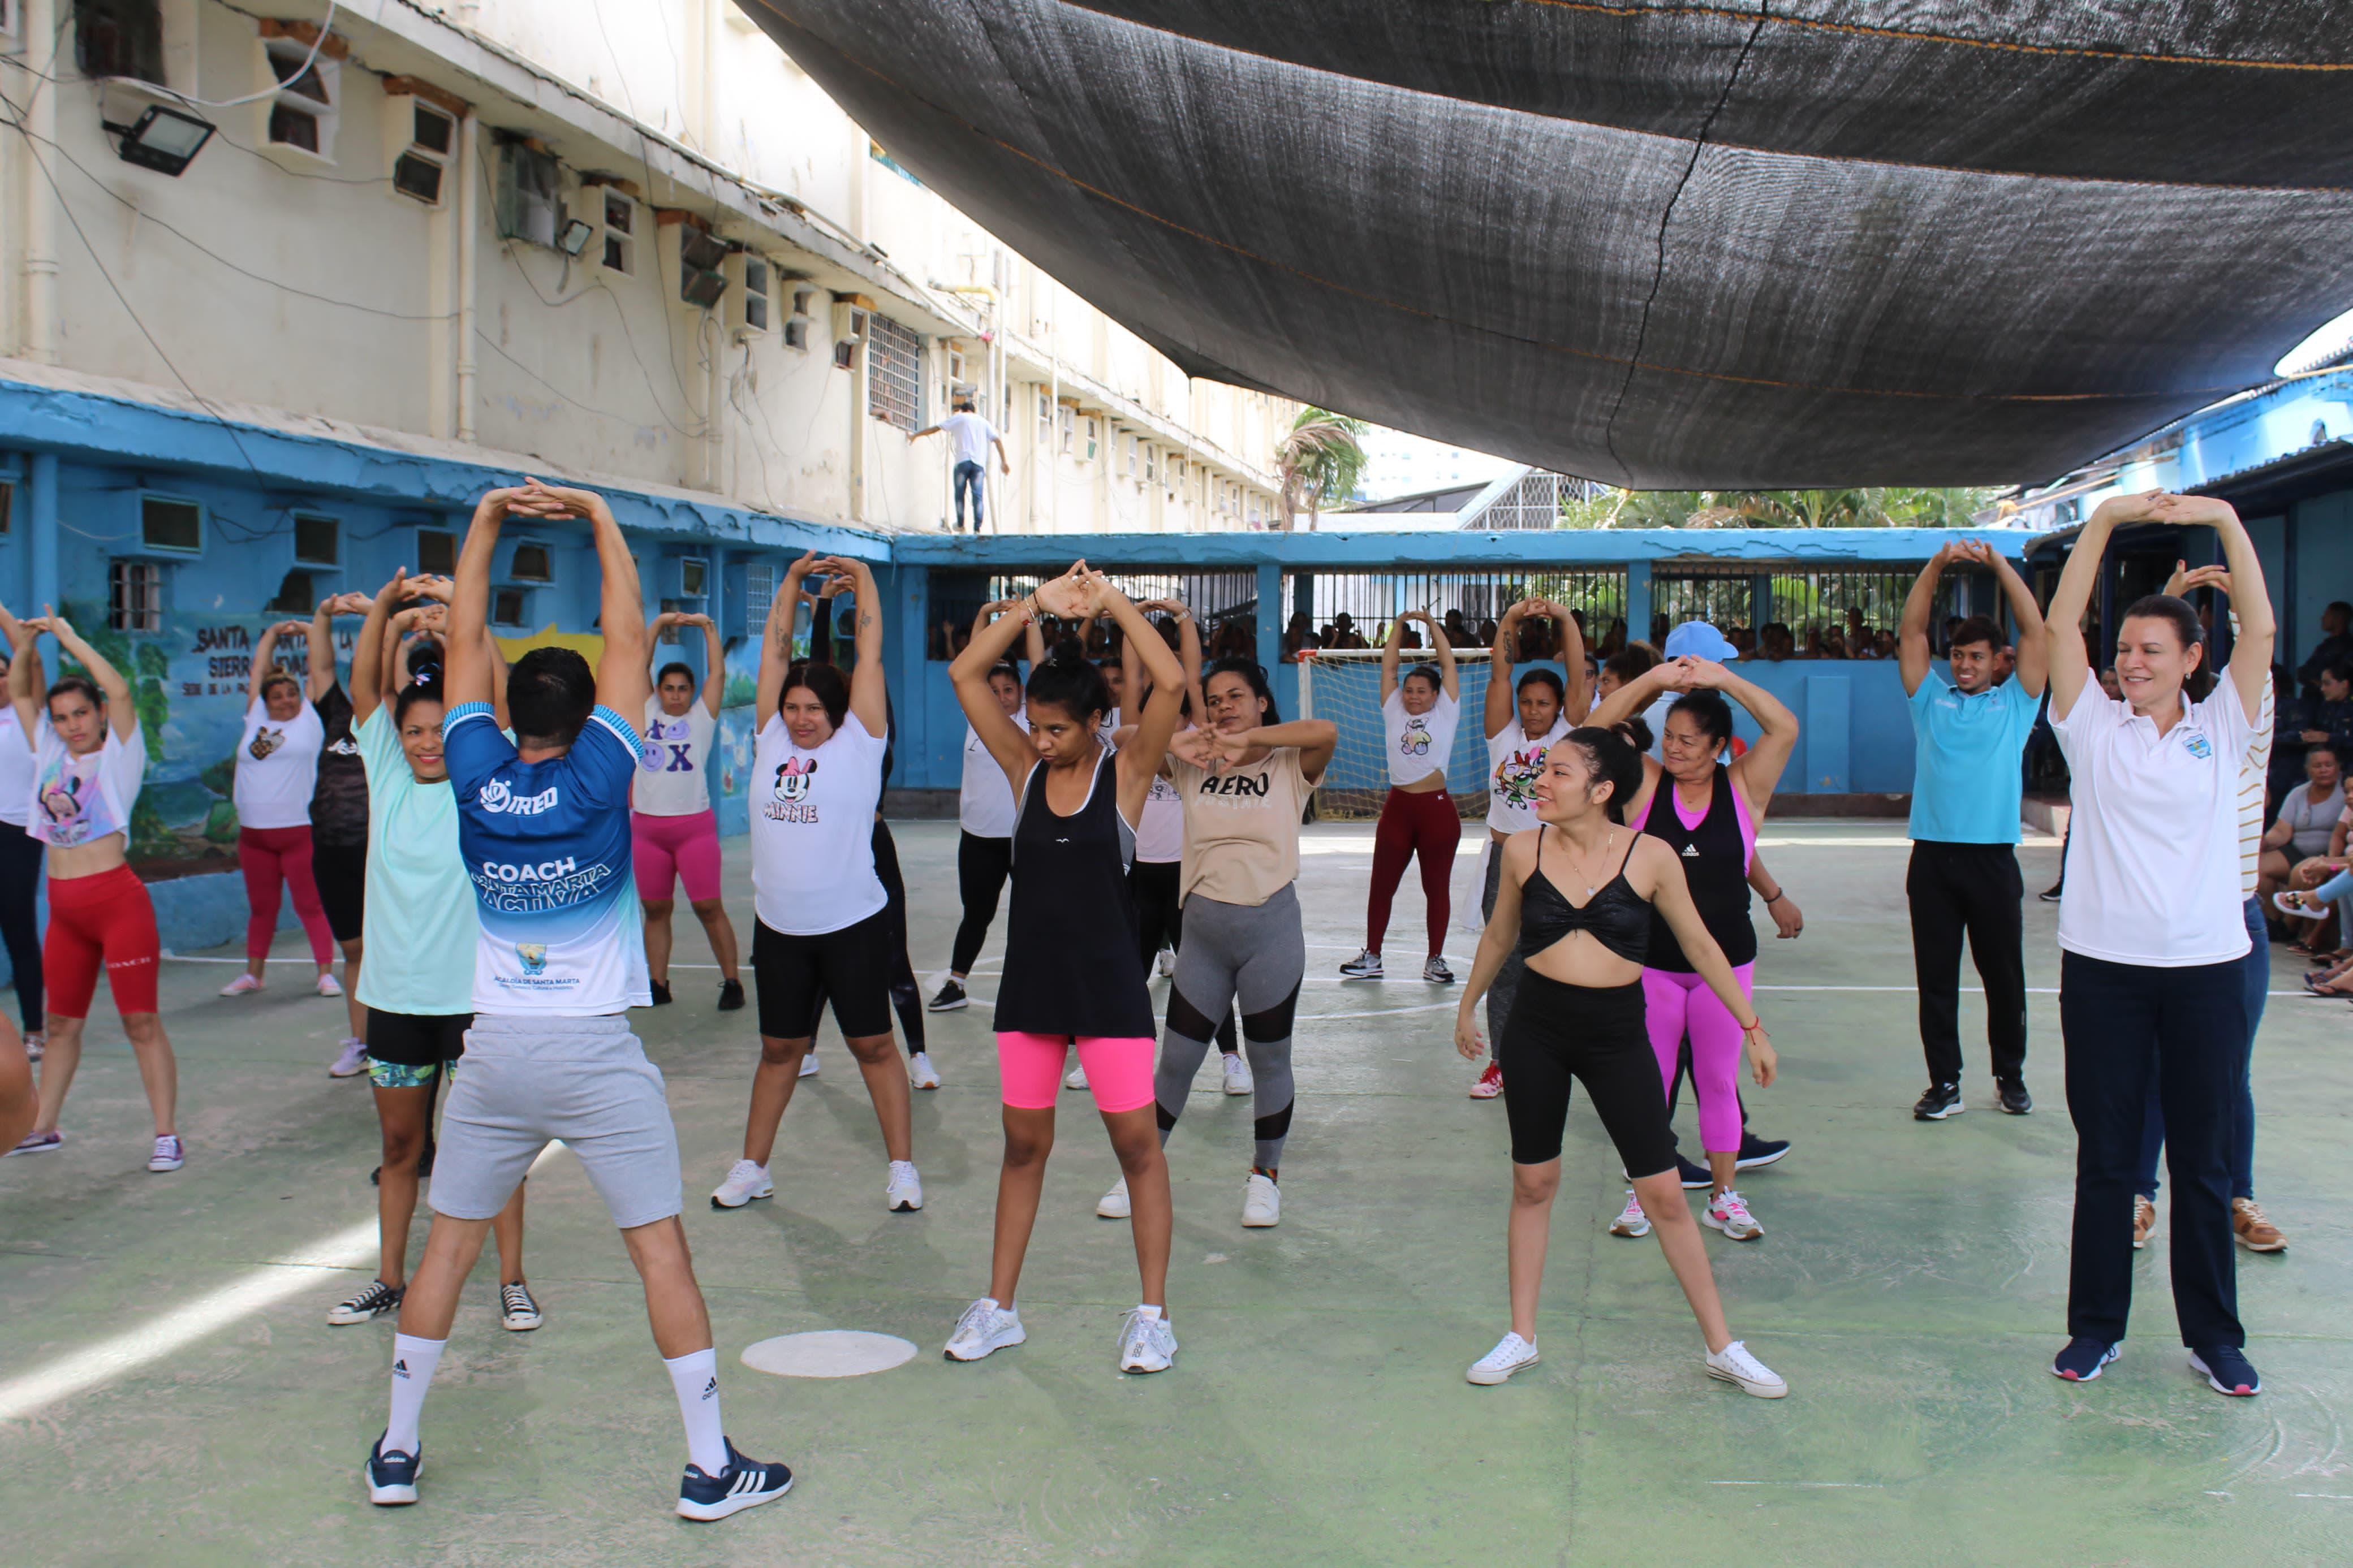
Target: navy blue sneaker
x,y
1757,1151
2083,1358
744,1483
1692,1175
392,1478
2226,1369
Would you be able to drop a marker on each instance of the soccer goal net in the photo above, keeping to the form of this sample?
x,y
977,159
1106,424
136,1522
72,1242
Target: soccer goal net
x,y
1345,686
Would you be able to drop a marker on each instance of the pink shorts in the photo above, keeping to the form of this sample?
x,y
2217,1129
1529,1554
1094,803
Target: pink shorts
x,y
683,846
1119,1071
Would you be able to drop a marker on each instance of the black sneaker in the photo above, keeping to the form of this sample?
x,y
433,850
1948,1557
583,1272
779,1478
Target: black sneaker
x,y
2014,1098
949,998
2050,894
2083,1358
369,1305
661,988
1693,1175
1942,1100
731,995
392,1478
1757,1151
2226,1369
744,1483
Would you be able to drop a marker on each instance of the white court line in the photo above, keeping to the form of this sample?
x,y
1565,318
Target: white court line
x,y
1862,1486
262,1288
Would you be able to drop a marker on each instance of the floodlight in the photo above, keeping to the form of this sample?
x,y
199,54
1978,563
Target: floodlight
x,y
164,140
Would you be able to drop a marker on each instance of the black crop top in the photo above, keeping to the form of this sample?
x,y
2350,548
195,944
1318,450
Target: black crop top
x,y
1616,917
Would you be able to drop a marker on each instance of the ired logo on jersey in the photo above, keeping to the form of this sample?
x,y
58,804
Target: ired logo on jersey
x,y
497,797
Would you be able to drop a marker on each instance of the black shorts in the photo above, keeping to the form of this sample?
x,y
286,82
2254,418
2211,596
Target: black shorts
x,y
795,976
417,1039
1597,1035
340,872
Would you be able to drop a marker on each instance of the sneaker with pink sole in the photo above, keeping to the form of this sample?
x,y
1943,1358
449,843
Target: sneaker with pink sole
x,y
1725,1211
243,985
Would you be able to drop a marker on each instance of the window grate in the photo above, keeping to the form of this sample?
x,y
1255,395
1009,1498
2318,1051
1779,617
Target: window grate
x,y
760,580
894,373
134,596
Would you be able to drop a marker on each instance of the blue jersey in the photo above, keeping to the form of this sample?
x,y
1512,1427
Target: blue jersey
x,y
547,848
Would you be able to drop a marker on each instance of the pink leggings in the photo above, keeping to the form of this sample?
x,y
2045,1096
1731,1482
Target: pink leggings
x,y
1676,1003
274,855
1119,1071
684,847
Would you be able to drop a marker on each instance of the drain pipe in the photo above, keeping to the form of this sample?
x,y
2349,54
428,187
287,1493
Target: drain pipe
x,y
40,267
469,198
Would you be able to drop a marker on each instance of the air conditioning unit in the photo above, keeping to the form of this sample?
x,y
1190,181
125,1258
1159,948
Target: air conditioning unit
x,y
702,260
849,321
750,305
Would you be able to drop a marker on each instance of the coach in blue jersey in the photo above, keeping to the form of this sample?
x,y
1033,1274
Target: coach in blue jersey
x,y
1971,732
544,824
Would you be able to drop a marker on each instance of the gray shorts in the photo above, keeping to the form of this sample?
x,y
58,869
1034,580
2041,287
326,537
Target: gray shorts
x,y
584,1080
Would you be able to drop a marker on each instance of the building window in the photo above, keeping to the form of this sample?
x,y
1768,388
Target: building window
x,y
527,207
297,594
753,278
620,230
760,579
693,577
1070,421
317,539
1127,465
166,524
8,490
1093,436
508,606
302,114
894,376
418,173
436,552
532,563
1151,463
1045,420
134,596
120,37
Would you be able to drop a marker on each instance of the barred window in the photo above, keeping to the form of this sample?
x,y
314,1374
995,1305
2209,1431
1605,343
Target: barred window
x,y
134,596
894,374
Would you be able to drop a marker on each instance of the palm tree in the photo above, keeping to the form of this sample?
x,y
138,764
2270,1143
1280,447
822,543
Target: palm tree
x,y
1863,508
1320,460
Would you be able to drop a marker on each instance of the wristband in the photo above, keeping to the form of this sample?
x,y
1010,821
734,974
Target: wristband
x,y
1776,898
1747,1029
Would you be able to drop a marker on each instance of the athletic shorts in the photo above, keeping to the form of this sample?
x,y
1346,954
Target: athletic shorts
x,y
1029,1069
797,976
106,920
406,1050
340,872
584,1080
684,848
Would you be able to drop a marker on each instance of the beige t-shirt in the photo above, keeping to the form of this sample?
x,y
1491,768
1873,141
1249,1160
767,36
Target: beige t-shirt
x,y
1241,828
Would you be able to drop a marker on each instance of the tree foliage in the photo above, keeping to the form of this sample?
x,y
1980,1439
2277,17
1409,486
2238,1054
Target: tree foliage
x,y
1879,507
1320,460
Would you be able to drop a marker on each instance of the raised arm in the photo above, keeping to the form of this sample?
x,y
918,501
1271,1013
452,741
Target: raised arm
x,y
867,693
2069,662
319,647
1139,762
968,673
368,653
265,654
1498,713
464,672
2033,653
1389,650
1445,651
1670,896
623,681
714,663
2251,601
24,674
1571,638
1758,771
120,714
776,640
1913,655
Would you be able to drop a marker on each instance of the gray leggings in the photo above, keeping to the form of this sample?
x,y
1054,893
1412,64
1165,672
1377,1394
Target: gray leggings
x,y
1506,983
1247,954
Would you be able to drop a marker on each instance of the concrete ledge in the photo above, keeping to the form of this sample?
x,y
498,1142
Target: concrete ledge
x,y
920,805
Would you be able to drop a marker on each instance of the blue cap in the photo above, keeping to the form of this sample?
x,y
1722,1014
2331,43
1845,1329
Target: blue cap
x,y
1697,640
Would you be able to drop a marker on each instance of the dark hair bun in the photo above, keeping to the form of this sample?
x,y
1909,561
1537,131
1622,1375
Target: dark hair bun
x,y
1637,732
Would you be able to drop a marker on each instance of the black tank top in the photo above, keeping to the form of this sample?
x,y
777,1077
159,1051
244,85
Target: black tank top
x,y
1616,916
1071,964
1716,863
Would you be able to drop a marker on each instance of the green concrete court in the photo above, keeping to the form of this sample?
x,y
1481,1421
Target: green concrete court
x,y
1910,1286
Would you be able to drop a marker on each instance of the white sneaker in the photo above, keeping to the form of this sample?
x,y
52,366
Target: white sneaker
x,y
808,1063
1077,1076
329,985
1146,1343
921,1072
1262,1202
35,1044
1631,1220
985,1328
904,1190
1166,964
1510,1355
1733,1363
744,1181
243,985
1727,1212
1365,966
351,1060
170,1154
1238,1075
1114,1205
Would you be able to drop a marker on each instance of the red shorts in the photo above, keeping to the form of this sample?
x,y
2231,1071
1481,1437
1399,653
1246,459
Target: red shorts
x,y
106,919
686,847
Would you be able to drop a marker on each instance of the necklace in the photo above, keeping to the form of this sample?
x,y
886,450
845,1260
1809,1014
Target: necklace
x,y
1579,872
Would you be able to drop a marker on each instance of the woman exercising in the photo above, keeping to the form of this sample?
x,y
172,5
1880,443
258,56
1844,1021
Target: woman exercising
x,y
1419,715
277,773
673,829
1073,975
1580,1013
985,815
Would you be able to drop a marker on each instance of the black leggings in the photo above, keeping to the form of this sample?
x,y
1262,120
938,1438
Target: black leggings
x,y
20,884
906,997
1597,1034
982,865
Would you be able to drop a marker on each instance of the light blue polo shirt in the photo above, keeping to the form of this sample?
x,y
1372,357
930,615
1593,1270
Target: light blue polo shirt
x,y
1965,769
422,930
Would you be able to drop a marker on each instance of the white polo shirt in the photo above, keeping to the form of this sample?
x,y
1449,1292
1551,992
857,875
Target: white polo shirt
x,y
2153,857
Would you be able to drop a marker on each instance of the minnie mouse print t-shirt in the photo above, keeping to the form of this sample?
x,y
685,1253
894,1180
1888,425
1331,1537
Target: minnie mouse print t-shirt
x,y
80,800
813,830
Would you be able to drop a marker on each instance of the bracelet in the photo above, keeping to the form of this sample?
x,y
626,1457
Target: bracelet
x,y
1777,896
1746,1030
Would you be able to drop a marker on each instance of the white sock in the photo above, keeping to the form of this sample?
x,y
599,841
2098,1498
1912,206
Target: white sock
x,y
413,1360
696,1380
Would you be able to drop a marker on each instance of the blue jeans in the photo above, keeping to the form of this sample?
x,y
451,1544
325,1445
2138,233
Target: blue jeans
x,y
2256,980
970,477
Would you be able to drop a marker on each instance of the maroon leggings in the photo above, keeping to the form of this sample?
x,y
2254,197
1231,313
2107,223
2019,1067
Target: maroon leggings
x,y
271,855
1413,825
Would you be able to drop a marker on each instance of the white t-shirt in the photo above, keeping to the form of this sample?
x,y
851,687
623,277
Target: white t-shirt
x,y
985,807
673,772
1420,743
80,800
16,769
1160,835
276,767
1512,764
2152,874
2252,785
813,830
970,434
